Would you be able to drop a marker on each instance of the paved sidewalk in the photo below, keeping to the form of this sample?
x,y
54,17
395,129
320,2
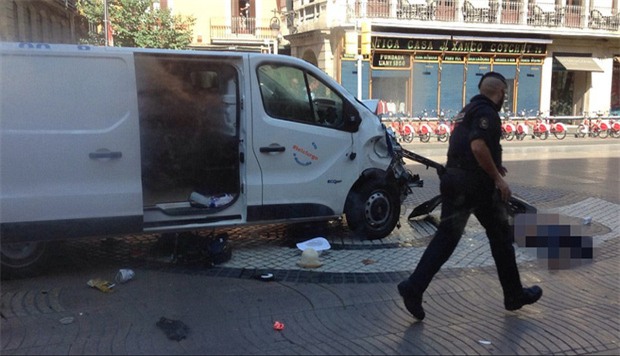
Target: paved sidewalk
x,y
350,305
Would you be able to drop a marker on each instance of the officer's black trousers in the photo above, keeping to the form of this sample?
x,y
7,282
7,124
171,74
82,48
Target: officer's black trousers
x,y
464,193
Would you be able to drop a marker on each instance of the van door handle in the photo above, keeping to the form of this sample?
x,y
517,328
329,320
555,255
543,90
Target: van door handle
x,y
105,154
272,148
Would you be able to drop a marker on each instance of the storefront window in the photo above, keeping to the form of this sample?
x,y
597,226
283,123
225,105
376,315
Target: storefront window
x,y
391,87
509,71
474,74
615,88
528,95
451,90
425,85
348,77
435,76
562,87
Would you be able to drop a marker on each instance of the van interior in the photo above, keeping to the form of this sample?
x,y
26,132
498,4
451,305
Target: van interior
x,y
189,131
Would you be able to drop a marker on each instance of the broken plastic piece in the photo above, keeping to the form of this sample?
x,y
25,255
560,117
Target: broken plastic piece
x,y
317,243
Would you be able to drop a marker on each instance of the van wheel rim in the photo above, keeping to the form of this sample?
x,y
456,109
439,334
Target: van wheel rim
x,y
377,209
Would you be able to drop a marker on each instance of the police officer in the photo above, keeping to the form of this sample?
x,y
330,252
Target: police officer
x,y
473,183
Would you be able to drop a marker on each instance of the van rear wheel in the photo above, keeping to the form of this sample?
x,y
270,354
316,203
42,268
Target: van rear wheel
x,y
22,258
373,209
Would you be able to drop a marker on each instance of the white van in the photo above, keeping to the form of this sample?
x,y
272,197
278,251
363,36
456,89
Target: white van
x,y
101,141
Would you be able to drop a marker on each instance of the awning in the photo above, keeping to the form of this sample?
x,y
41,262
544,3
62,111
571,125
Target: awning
x,y
579,64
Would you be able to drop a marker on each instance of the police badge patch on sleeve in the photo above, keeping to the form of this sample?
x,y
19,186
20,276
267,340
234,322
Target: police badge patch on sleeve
x,y
484,123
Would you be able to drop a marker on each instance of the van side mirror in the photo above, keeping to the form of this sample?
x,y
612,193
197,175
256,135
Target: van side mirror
x,y
352,117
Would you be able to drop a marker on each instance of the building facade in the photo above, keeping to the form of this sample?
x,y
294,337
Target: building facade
x,y
40,21
238,25
425,57
422,57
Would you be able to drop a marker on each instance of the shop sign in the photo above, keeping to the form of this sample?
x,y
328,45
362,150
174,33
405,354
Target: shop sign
x,y
426,57
387,43
390,60
479,59
505,60
453,58
532,60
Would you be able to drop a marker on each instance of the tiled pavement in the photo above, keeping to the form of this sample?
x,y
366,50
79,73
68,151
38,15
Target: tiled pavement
x,y
347,306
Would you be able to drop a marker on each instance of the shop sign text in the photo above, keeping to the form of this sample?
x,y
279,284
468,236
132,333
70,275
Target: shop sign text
x,y
383,43
391,60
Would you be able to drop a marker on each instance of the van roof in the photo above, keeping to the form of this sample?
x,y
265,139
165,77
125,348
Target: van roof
x,y
60,47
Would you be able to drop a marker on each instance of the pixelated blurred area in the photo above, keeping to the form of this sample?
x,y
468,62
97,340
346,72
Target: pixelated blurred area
x,y
559,241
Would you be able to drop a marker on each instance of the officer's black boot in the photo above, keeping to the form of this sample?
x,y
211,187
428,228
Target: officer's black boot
x,y
529,296
413,300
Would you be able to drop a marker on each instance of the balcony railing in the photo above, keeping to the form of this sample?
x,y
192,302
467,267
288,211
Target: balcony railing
x,y
529,14
241,29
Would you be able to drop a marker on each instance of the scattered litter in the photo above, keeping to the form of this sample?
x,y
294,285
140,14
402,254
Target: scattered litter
x,y
484,342
278,326
213,201
174,329
309,259
124,275
67,320
265,277
317,243
101,284
368,261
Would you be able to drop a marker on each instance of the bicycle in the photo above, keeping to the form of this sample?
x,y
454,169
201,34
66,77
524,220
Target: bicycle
x,y
541,128
558,129
614,128
442,130
589,128
423,130
508,128
403,129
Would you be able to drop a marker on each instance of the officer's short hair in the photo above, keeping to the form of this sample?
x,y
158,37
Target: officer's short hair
x,y
492,75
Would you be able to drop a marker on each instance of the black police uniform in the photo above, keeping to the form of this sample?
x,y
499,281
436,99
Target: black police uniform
x,y
465,189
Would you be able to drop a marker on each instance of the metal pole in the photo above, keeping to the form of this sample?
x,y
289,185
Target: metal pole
x,y
105,20
359,77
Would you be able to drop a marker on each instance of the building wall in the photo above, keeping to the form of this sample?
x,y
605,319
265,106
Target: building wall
x,y
579,35
217,23
592,89
49,21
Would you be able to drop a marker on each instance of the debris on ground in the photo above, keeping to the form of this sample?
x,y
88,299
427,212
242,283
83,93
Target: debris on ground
x,y
101,284
278,326
174,329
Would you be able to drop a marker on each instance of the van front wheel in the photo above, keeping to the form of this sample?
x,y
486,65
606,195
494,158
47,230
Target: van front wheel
x,y
22,258
373,209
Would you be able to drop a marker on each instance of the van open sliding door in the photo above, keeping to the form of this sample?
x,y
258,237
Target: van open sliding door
x,y
189,139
